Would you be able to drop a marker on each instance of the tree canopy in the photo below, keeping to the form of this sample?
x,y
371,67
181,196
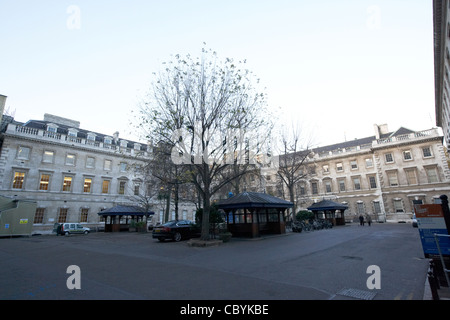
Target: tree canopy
x,y
213,116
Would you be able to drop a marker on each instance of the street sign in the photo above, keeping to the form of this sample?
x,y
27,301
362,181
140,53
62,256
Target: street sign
x,y
430,221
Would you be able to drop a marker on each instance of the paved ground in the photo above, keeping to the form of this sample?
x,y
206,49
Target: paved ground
x,y
321,265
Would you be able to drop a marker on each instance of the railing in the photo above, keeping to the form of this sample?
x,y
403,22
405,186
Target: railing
x,y
344,150
409,136
67,139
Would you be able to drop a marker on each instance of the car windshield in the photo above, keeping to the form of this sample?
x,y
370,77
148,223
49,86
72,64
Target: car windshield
x,y
177,222
169,223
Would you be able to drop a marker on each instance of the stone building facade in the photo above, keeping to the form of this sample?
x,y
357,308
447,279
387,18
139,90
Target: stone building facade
x,y
441,36
73,173
379,175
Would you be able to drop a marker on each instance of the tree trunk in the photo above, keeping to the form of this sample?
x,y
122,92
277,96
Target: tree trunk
x,y
205,218
292,199
176,200
168,195
206,203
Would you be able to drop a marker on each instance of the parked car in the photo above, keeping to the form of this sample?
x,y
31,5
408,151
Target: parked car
x,y
69,228
176,230
414,221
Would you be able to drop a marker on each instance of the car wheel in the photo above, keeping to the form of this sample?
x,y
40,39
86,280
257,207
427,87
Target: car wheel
x,y
66,233
86,232
177,237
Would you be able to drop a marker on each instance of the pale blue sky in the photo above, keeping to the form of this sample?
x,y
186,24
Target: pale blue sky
x,y
337,66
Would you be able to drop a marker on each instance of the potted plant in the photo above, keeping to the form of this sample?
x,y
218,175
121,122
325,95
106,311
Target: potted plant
x,y
132,226
141,226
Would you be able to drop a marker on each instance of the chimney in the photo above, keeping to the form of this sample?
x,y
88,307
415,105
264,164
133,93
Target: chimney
x,y
380,129
2,104
116,136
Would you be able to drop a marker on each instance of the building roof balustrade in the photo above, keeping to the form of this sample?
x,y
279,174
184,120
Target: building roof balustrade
x,y
363,145
50,136
414,136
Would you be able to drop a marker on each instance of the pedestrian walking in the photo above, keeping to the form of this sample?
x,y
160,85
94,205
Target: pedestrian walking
x,y
369,220
361,220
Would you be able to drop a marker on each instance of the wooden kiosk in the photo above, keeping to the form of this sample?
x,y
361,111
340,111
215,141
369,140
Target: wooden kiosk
x,y
117,218
251,214
326,209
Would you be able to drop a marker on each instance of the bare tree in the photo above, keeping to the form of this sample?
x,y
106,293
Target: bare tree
x,y
294,160
207,109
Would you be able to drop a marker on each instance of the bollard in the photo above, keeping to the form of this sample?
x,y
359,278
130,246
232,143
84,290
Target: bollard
x,y
434,284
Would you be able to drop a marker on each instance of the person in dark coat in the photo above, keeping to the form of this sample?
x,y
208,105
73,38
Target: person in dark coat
x,y
361,220
369,220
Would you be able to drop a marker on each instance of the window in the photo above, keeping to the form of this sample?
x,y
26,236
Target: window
x,y
427,152
328,186
67,183
70,159
91,138
18,180
376,207
356,184
389,158
123,166
122,185
84,214
87,185
48,156
326,169
107,165
411,176
407,155
23,153
339,167
398,205
341,185
90,162
107,140
62,215
105,186
353,164
432,175
314,188
302,190
360,207
73,133
392,178
369,162
39,215
136,189
372,182
44,182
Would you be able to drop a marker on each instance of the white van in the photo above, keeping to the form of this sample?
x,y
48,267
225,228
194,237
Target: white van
x,y
68,228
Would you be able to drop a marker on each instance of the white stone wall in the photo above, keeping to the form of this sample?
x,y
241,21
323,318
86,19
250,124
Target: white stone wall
x,y
53,199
